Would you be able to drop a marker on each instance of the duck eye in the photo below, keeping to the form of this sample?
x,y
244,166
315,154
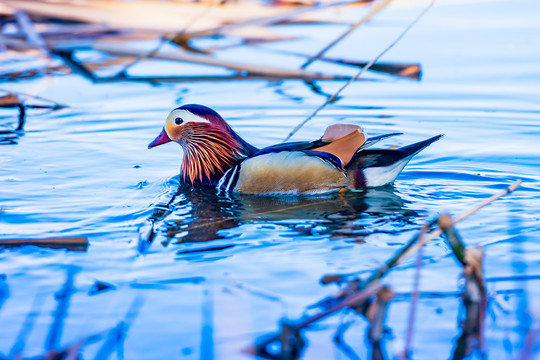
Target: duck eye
x,y
178,121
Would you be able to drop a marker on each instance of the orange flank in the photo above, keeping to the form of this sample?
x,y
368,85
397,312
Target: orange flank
x,y
346,140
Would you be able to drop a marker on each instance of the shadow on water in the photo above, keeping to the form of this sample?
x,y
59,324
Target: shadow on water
x,y
10,134
196,215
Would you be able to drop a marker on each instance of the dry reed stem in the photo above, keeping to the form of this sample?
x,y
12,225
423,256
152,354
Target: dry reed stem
x,y
57,105
377,8
376,313
353,300
291,331
475,298
119,50
410,71
355,77
9,100
438,231
165,39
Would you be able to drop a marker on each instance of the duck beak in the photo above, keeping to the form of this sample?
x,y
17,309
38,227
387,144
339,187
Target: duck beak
x,y
161,139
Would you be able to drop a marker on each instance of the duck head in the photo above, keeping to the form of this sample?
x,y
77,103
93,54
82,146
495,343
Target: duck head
x,y
210,146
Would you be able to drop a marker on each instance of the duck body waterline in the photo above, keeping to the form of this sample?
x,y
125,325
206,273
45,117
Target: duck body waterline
x,y
214,155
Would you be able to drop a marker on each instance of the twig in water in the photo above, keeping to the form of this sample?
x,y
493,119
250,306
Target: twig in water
x,y
290,339
360,291
414,245
475,295
414,248
373,11
376,313
355,77
452,237
474,298
396,259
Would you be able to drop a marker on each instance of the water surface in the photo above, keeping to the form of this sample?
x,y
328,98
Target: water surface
x,y
222,271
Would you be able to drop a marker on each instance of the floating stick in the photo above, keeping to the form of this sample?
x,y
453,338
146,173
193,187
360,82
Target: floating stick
x,y
75,243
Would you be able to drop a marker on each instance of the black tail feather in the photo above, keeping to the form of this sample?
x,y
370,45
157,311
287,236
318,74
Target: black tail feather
x,y
375,139
386,157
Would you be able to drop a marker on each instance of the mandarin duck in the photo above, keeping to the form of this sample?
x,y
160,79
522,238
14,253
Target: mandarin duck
x,y
215,155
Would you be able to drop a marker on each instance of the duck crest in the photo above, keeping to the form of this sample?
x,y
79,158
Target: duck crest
x,y
208,153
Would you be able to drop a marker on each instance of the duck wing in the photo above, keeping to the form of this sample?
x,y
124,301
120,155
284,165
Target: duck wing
x,y
338,145
291,146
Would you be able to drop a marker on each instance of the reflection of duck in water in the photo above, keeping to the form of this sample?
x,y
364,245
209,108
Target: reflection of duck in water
x,y
214,155
198,214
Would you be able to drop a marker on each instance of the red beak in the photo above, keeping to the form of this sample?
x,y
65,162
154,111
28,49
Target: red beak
x,y
161,139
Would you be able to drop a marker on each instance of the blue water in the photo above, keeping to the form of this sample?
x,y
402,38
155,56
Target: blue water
x,y
236,265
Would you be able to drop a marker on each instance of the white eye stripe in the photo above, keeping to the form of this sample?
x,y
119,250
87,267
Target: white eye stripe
x,y
186,116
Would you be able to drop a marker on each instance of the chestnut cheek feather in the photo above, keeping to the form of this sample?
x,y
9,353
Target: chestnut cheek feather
x,y
161,139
